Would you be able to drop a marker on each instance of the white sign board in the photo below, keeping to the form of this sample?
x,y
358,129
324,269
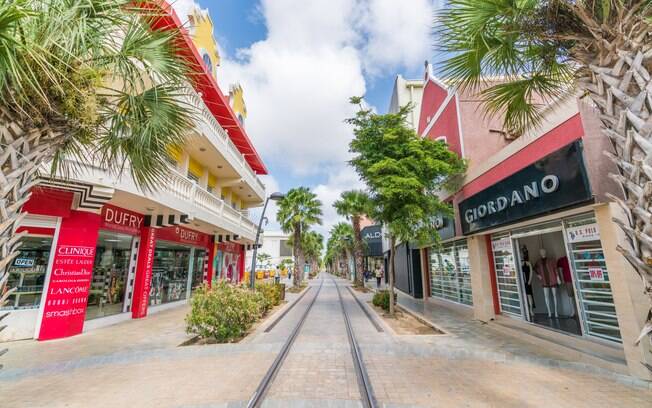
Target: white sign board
x,y
583,233
502,245
507,270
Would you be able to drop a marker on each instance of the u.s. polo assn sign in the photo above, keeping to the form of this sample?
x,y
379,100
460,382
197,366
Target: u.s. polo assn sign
x,y
556,181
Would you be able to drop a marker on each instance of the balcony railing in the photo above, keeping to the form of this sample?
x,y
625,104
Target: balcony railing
x,y
209,120
190,191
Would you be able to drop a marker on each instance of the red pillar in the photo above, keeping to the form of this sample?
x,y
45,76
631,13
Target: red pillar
x,y
66,297
241,262
211,259
143,279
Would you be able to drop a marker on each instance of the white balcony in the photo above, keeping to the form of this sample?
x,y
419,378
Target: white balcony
x,y
209,127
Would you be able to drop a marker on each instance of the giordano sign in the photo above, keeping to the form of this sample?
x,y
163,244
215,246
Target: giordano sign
x,y
558,180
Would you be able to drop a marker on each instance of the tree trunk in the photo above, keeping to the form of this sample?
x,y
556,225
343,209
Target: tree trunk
x,y
358,252
392,245
22,151
298,257
617,81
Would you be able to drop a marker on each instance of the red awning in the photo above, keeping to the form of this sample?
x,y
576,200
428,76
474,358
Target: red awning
x,y
205,84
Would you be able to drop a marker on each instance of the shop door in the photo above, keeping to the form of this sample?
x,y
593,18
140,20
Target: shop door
x,y
591,278
509,293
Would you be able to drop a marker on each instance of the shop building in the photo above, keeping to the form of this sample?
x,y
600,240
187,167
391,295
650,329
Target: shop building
x,y
533,241
98,250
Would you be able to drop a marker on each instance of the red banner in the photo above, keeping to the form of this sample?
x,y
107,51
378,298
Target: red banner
x,y
143,279
121,220
184,236
70,280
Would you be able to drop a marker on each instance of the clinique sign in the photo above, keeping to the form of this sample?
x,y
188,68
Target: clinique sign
x,y
547,185
556,181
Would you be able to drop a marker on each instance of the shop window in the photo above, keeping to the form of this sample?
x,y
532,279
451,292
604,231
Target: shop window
x,y
198,268
592,279
110,271
27,273
285,249
169,273
506,277
450,273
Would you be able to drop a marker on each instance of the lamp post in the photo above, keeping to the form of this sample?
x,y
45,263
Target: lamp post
x,y
252,277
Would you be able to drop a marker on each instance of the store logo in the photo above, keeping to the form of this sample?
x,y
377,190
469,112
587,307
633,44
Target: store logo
x,y
188,235
69,291
118,217
372,235
24,262
548,184
81,251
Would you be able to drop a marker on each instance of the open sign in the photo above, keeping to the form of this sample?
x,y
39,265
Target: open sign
x,y
24,262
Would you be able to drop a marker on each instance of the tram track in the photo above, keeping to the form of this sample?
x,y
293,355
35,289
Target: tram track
x,y
364,385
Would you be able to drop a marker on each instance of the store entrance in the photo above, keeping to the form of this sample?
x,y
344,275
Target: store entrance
x,y
546,280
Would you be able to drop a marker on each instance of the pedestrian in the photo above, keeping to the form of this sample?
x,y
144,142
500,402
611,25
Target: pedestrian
x,y
379,275
277,275
289,274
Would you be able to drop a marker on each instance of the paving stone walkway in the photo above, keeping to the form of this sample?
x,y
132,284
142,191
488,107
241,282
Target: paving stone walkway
x,y
139,363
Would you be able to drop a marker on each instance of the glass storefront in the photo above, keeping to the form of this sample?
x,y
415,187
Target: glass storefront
x,y
198,262
562,281
110,271
450,276
27,273
169,273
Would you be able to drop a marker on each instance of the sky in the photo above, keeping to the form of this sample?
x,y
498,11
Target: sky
x,y
299,62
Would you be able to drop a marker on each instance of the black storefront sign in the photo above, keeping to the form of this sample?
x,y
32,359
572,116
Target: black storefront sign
x,y
557,181
445,227
373,237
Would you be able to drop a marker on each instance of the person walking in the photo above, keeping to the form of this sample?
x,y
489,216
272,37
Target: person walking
x,y
379,275
277,275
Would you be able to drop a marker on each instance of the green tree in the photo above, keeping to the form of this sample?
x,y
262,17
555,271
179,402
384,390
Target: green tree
x,y
313,245
341,246
86,80
263,259
354,205
549,50
297,212
403,173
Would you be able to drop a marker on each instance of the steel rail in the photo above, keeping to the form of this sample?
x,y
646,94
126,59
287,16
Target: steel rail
x,y
379,329
282,315
259,395
366,390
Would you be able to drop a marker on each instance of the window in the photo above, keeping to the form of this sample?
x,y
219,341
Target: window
x,y
441,139
170,273
27,273
193,177
285,249
110,271
207,61
451,275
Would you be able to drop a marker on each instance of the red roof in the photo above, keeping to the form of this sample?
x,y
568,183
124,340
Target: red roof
x,y
205,84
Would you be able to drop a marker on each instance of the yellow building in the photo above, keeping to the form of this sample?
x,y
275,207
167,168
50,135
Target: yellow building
x,y
201,32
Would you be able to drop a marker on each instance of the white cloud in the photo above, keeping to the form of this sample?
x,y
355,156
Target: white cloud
x,y
297,81
184,8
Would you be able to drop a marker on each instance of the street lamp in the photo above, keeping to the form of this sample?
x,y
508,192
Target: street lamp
x,y
276,197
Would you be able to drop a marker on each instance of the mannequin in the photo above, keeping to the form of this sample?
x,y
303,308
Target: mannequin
x,y
567,281
546,270
526,268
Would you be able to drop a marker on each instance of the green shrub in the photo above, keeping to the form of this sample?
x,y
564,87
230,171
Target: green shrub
x,y
224,312
271,295
381,299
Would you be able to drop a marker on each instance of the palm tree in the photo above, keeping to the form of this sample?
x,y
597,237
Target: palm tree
x,y
313,244
548,50
87,80
341,241
354,205
297,212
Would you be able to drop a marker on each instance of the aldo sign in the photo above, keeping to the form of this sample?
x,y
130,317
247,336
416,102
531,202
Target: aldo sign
x,y
558,180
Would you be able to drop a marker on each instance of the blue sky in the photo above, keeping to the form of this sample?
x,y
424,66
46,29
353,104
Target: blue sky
x,y
299,62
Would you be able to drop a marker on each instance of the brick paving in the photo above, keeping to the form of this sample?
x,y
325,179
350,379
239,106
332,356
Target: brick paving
x,y
405,371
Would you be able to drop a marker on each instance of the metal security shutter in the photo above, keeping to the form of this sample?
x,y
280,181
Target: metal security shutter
x,y
595,297
506,276
450,273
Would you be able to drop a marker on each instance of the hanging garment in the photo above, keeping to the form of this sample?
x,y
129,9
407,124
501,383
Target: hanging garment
x,y
525,267
565,269
546,269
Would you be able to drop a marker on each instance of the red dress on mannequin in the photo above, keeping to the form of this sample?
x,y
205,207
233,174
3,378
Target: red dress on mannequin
x,y
545,268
